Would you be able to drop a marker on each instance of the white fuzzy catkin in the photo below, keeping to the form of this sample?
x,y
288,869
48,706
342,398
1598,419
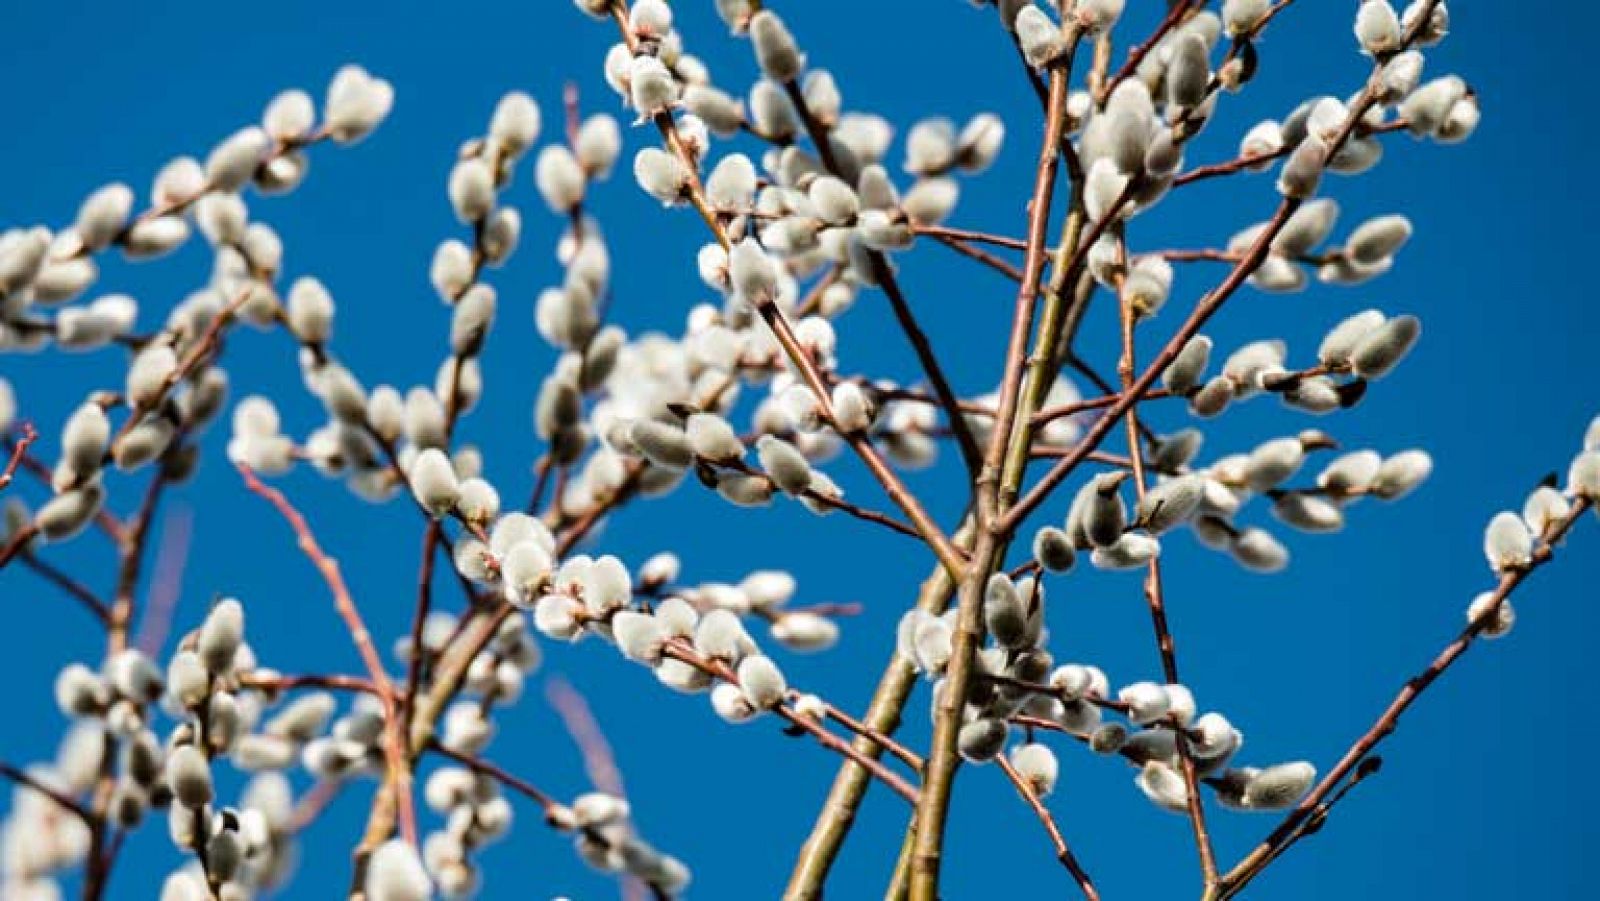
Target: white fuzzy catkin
x,y
8,405
1583,477
805,632
661,174
220,636
1303,170
1341,341
1039,37
356,104
712,438
473,315
753,273
1147,702
639,636
1189,367
1053,549
1308,227
235,160
982,739
1004,611
762,682
1544,508
559,178
515,124
651,86
1401,473
1037,765
776,52
1104,514
1241,17
103,215
1385,346
979,143
310,311
1378,239
785,465
396,873
1350,473
1492,614
1105,186
1170,503
834,201
471,190
1256,549
729,703
290,116
188,774
1095,16
149,373
1279,787
719,634
664,445
732,183
1272,462
434,482
1308,512
1507,543
598,144
853,409
1163,785
1377,28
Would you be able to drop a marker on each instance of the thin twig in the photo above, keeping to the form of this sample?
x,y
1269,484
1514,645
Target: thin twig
x,y
18,451
62,580
1063,851
1386,723
65,802
398,781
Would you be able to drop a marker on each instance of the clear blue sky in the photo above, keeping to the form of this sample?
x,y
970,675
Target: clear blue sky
x,y
1486,791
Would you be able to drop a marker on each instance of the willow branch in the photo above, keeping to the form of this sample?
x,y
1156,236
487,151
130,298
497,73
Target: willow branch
x,y
1063,851
397,781
19,450
1386,723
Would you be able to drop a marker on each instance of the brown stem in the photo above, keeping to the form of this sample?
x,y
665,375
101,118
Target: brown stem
x,y
1194,803
398,778
678,649
419,619
65,802
943,760
77,590
1386,723
1063,851
1175,17
19,450
983,256
838,812
968,236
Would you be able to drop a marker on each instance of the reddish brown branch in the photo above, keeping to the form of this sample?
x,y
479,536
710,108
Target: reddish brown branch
x,y
65,802
1063,851
77,590
18,451
398,781
1386,723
